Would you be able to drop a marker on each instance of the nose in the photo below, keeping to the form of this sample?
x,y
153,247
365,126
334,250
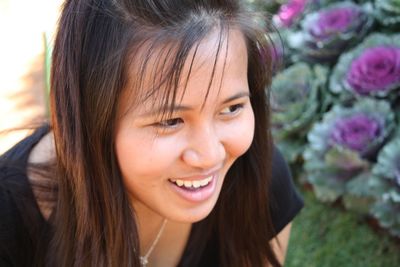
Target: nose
x,y
205,149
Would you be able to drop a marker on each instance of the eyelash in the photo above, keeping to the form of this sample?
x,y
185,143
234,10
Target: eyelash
x,y
174,122
237,107
167,123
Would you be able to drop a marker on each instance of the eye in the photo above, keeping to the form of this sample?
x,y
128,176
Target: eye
x,y
232,110
169,123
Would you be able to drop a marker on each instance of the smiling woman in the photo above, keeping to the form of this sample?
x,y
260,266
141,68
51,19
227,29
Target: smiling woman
x,y
197,142
158,152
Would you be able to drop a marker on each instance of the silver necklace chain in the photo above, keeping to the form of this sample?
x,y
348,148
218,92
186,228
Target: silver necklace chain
x,y
144,260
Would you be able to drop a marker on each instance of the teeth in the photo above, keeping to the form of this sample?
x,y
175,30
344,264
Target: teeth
x,y
196,184
192,184
204,182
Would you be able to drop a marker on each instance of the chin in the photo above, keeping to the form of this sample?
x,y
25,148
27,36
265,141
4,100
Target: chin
x,y
194,214
193,218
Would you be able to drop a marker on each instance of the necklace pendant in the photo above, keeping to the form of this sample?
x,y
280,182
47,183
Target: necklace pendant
x,y
143,261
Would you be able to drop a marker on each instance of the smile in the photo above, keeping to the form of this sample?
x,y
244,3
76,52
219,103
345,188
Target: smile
x,y
192,184
195,190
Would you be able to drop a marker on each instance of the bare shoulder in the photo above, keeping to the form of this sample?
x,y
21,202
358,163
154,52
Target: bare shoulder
x,y
42,153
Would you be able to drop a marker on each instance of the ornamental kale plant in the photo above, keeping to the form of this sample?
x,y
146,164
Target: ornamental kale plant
x,y
289,13
297,97
388,13
370,69
344,144
336,101
327,32
385,187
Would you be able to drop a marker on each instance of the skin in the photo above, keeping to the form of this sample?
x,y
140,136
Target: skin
x,y
281,242
199,139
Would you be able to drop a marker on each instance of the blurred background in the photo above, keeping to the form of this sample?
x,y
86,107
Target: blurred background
x,y
335,99
23,24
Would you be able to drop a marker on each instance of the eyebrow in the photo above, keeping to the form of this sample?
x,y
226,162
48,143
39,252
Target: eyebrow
x,y
186,108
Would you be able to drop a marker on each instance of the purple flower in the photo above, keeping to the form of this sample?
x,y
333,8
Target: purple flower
x,y
376,69
333,21
327,32
290,11
356,132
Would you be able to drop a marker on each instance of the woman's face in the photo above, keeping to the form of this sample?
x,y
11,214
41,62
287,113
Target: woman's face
x,y
175,167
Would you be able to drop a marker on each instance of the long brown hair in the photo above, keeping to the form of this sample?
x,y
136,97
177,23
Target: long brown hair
x,y
93,223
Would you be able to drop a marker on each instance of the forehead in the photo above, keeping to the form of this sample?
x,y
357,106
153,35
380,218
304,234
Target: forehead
x,y
158,74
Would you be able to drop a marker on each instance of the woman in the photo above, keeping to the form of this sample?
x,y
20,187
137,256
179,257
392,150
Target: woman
x,y
158,152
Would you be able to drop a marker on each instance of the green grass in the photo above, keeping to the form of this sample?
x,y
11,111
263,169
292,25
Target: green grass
x,y
324,236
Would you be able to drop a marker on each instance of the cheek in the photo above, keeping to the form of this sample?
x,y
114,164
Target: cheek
x,y
142,156
239,136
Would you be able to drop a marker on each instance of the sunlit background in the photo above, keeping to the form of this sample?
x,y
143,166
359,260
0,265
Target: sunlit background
x,y
23,24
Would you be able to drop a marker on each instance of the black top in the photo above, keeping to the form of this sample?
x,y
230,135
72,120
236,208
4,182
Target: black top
x,y
17,244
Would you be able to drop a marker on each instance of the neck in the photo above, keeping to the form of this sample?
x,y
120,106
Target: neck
x,y
171,245
149,224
